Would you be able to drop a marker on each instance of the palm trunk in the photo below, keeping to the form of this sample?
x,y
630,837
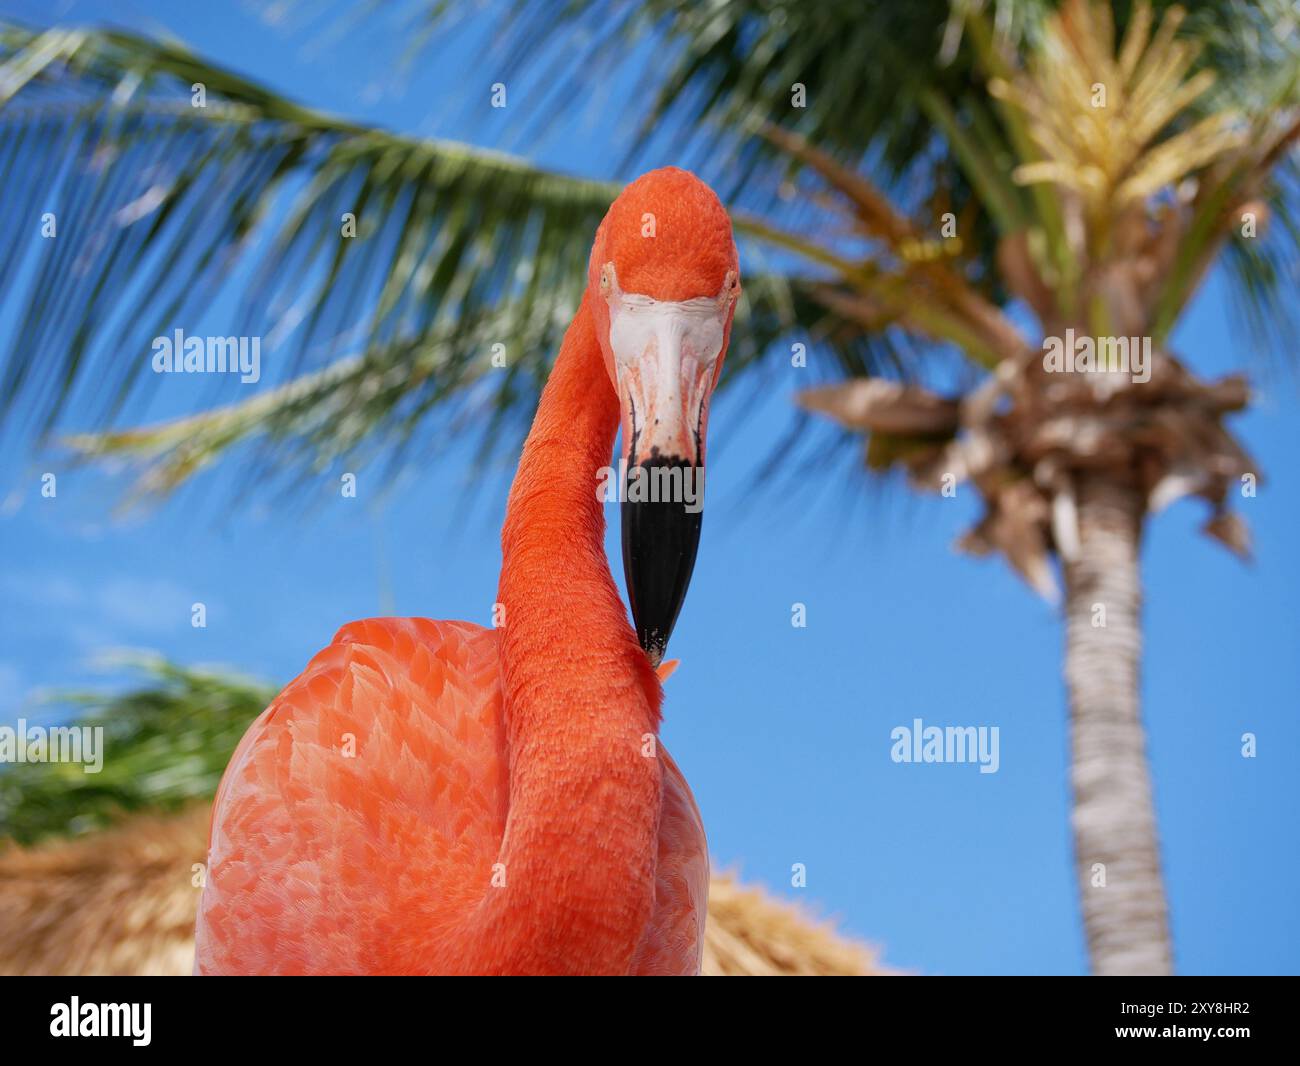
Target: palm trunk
x,y
1124,910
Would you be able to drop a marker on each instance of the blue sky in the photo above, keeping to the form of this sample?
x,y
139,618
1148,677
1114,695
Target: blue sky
x,y
782,732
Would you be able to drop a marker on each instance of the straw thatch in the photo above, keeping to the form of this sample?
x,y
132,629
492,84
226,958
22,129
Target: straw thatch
x,y
749,934
122,902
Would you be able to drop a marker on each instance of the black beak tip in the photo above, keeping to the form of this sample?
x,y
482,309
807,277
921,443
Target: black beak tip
x,y
661,534
655,644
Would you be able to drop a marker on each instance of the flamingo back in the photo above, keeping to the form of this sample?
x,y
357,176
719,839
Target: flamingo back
x,y
360,817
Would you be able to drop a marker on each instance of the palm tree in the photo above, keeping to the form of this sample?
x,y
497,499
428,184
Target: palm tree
x,y
924,178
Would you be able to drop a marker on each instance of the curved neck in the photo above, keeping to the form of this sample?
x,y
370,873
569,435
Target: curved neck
x,y
581,701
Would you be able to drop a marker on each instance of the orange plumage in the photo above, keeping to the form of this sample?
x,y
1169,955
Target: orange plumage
x,y
435,797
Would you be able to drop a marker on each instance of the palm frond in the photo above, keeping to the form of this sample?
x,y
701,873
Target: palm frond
x,y
166,743
849,77
1094,115
899,91
357,406
465,267
156,204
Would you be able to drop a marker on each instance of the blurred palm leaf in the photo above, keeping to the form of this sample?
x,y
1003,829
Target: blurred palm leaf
x,y
165,744
901,91
358,406
162,198
457,250
1094,113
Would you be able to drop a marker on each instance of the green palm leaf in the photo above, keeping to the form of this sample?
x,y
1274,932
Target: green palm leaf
x,y
160,200
900,91
460,255
166,742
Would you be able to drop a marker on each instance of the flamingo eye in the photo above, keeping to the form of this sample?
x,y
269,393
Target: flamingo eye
x,y
731,286
606,277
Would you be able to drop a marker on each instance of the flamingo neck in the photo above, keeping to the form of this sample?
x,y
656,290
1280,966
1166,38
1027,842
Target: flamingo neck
x,y
581,700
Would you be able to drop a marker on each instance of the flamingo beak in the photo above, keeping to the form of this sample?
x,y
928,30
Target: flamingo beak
x,y
665,358
660,539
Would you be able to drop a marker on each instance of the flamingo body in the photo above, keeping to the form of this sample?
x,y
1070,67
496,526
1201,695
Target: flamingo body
x,y
322,861
434,797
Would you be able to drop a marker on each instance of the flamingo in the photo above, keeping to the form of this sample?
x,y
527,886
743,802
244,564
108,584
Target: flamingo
x,y
440,798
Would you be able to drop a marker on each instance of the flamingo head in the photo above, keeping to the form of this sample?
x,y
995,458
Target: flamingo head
x,y
663,283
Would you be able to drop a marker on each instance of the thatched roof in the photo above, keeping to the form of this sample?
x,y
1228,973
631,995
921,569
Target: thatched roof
x,y
122,902
749,934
